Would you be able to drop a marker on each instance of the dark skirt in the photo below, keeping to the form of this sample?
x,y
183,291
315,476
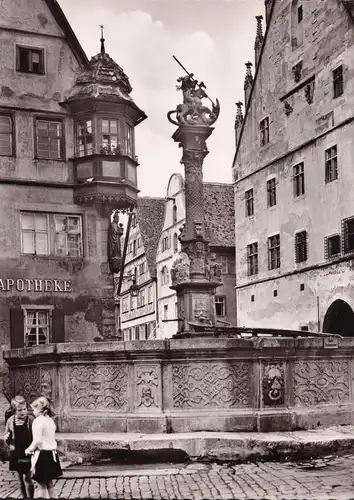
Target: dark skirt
x,y
46,467
21,464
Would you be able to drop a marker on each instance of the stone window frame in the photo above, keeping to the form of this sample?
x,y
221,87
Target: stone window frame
x,y
175,243
220,299
12,132
328,247
62,147
252,259
271,192
347,236
274,252
264,131
338,81
249,202
301,246
51,233
31,50
48,310
299,179
331,164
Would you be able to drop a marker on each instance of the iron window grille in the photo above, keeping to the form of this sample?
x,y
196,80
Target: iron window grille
x,y
332,246
301,246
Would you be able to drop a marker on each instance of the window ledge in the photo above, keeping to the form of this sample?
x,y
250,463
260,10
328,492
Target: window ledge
x,y
8,156
53,257
39,158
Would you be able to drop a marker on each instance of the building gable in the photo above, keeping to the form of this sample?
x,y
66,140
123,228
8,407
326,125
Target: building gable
x,y
293,81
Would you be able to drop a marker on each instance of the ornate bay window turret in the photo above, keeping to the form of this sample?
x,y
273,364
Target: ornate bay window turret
x,y
104,114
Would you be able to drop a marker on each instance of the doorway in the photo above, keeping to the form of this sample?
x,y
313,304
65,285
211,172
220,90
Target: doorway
x,y
339,319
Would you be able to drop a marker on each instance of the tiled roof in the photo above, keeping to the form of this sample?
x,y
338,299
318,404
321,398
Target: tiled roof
x,y
150,214
219,208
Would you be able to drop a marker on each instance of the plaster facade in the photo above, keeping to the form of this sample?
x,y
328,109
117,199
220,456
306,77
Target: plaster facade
x,y
55,283
302,95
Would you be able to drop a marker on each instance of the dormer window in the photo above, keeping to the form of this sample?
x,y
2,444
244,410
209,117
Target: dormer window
x,y
84,138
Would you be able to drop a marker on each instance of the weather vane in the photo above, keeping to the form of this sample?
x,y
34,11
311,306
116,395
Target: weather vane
x,y
192,111
103,50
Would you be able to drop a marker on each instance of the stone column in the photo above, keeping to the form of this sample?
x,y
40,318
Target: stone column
x,y
195,273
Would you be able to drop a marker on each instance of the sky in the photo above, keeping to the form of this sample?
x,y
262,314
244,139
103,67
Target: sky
x,y
212,38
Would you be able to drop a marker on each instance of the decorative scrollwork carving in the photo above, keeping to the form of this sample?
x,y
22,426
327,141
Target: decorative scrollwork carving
x,y
321,382
211,385
98,387
25,381
180,271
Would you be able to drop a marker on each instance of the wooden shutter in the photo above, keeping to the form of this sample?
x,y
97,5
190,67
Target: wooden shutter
x,y
17,327
58,330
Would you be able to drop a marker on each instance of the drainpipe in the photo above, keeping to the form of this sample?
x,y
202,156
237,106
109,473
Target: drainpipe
x,y
318,315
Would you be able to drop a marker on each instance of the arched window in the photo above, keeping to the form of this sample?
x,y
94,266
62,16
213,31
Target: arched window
x,y
175,243
297,29
174,213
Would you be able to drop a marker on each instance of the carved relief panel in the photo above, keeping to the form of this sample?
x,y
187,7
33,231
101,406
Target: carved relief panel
x,y
211,385
273,383
25,381
148,387
98,387
318,382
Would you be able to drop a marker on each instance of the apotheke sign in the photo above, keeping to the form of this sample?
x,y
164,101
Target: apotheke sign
x,y
35,285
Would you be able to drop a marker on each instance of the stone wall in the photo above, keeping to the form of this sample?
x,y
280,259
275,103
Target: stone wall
x,y
264,384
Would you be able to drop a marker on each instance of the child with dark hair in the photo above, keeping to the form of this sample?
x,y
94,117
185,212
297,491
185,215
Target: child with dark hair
x,y
45,459
18,436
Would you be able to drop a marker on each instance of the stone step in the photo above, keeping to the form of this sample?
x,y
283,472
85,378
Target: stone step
x,y
213,446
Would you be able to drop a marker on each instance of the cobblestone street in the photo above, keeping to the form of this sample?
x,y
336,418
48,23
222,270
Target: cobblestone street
x,y
325,479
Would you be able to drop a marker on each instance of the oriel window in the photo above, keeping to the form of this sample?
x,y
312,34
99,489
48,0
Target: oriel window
x,y
301,246
109,135
6,135
30,60
68,236
331,164
50,141
84,144
274,252
252,259
299,180
338,82
34,233
271,192
264,130
130,145
249,203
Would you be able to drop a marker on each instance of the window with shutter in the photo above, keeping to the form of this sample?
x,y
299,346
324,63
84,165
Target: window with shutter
x,y
17,328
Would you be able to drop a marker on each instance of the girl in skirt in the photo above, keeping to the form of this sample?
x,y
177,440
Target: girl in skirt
x,y
45,458
18,436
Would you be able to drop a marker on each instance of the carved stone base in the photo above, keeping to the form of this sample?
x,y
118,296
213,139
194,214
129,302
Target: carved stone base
x,y
195,305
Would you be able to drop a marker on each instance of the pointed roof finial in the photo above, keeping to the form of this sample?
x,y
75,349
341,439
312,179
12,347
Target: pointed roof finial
x,y
248,77
239,115
259,34
103,50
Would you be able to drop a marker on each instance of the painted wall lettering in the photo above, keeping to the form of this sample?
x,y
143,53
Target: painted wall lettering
x,y
35,285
